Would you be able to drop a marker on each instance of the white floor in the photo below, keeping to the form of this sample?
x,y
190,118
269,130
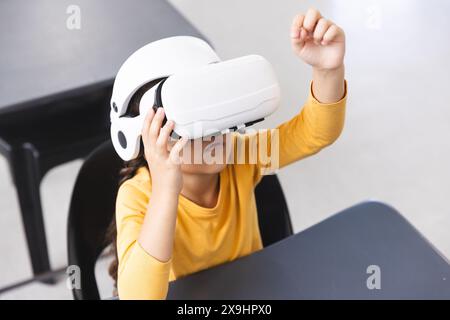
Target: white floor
x,y
395,147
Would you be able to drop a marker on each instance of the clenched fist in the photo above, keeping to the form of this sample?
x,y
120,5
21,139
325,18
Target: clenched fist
x,y
164,165
318,41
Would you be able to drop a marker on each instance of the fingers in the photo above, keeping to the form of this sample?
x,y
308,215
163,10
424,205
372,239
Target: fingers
x,y
311,19
153,136
164,133
304,26
296,26
331,34
312,26
146,126
320,30
156,137
303,35
155,126
176,149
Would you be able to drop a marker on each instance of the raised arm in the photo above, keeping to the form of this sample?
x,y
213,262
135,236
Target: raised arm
x,y
145,235
321,44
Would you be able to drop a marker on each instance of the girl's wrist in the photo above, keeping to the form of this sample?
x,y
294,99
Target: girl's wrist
x,y
329,84
337,72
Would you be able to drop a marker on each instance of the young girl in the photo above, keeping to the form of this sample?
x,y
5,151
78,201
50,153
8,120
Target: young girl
x,y
174,218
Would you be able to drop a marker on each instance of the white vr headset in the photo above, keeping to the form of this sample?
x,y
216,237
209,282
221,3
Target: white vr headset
x,y
200,93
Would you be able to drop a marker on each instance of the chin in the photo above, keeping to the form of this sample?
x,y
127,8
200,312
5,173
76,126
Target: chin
x,y
202,168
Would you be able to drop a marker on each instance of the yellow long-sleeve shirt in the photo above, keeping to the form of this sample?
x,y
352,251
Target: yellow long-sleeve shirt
x,y
205,237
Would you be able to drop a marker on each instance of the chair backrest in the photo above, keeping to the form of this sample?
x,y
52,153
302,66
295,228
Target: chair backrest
x,y
92,208
273,214
90,213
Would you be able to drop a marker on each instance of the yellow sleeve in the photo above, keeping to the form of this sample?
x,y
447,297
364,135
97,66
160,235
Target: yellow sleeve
x,y
317,126
140,276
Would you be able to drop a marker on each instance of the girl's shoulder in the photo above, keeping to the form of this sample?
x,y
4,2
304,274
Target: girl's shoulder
x,y
142,175
137,187
141,178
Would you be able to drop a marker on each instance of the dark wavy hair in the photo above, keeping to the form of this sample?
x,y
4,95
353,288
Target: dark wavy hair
x,y
127,172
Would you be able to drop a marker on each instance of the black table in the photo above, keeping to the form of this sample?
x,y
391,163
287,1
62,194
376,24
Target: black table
x,y
330,261
55,85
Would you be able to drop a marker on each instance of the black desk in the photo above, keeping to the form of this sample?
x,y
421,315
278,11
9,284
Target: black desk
x,y
55,86
329,261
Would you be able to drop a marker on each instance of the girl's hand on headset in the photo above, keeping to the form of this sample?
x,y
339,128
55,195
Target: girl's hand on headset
x,y
164,165
318,41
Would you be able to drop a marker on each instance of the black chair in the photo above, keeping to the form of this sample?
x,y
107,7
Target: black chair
x,y
92,208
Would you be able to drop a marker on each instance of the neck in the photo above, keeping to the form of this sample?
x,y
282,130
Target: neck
x,y
202,189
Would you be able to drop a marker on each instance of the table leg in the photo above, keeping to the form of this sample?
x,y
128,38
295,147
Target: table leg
x,y
24,164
